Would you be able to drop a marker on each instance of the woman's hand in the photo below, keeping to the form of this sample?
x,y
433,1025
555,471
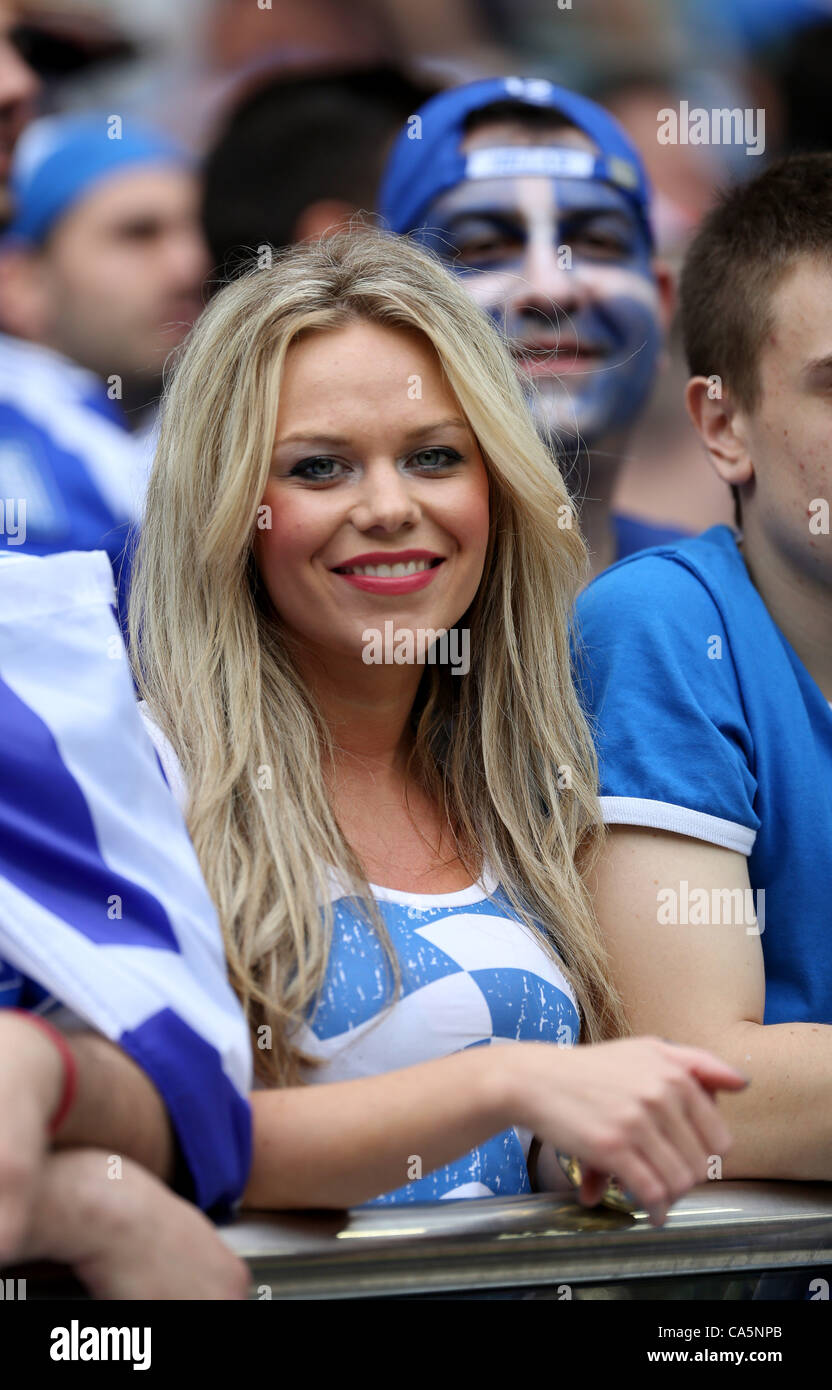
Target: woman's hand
x,y
639,1109
31,1080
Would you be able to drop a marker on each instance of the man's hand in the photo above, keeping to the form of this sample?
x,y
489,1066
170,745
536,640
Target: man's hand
x,y
31,1083
127,1237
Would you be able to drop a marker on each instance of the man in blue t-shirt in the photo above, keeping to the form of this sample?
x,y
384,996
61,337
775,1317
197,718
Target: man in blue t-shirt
x,y
538,198
707,668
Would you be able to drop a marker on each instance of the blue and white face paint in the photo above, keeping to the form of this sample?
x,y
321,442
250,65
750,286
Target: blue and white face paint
x,y
562,262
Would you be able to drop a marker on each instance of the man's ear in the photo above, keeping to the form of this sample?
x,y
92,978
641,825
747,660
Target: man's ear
x,y
24,294
324,218
721,426
666,285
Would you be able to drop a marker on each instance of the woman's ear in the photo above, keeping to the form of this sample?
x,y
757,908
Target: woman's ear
x,y
721,426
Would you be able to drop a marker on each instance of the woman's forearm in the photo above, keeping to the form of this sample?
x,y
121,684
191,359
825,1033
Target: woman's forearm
x,y
343,1143
611,1105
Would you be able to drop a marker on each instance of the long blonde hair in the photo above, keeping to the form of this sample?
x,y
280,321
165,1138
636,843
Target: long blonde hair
x,y
505,752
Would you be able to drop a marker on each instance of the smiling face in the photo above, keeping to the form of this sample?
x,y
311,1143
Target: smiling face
x,y
585,322
378,492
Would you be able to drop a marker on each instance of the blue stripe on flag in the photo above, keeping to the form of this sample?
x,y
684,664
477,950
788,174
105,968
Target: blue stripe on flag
x,y
48,844
211,1119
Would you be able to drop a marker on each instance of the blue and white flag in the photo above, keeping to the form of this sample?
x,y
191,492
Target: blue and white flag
x,y
103,909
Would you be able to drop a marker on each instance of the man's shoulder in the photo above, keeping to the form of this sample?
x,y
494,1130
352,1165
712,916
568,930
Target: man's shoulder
x,y
62,449
57,396
634,534
692,575
26,366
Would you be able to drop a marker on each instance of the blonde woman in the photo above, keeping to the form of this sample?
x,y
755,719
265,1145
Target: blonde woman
x,y
398,850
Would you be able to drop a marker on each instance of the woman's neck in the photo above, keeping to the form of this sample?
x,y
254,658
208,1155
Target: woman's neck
x,y
398,830
367,711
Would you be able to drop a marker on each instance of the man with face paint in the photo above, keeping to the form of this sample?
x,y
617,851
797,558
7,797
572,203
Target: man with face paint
x,y
537,197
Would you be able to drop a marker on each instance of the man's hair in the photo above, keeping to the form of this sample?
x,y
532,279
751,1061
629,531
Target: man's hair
x,y
535,118
296,140
742,250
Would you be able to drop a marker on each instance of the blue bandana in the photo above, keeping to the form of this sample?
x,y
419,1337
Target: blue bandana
x,y
59,158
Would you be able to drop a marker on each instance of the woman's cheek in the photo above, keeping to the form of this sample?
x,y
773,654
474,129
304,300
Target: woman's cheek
x,y
286,533
474,507
276,539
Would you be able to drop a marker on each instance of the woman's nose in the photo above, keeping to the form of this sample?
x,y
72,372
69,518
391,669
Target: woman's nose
x,y
385,500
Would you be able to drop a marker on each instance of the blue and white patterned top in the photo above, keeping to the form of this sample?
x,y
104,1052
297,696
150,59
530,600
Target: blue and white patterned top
x,y
473,975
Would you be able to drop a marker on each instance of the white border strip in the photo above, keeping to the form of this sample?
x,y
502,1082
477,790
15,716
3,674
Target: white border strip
x,y
513,161
663,815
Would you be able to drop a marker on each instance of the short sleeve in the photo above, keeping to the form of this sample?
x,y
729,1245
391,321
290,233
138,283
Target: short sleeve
x,y
658,682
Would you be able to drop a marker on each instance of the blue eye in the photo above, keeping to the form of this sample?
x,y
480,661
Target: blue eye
x,y
434,459
315,470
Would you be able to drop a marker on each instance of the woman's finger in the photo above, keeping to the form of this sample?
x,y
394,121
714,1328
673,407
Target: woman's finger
x,y
593,1185
636,1173
711,1071
713,1132
682,1134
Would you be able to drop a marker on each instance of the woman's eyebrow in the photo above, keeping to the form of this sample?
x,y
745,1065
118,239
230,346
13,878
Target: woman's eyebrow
x,y
578,216
304,437
329,441
454,422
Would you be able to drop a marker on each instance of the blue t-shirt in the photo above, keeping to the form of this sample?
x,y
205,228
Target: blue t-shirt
x,y
21,992
18,991
709,725
632,534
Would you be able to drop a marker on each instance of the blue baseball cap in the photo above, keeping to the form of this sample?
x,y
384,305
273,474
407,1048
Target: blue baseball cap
x,y
59,158
426,158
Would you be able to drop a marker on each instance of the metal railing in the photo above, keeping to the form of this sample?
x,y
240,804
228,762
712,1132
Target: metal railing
x,y
726,1228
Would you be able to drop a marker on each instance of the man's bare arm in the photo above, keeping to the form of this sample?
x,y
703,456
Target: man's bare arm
x,y
704,985
117,1107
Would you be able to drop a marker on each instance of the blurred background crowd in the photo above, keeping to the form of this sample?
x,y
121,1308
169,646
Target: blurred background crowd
x,y
288,108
